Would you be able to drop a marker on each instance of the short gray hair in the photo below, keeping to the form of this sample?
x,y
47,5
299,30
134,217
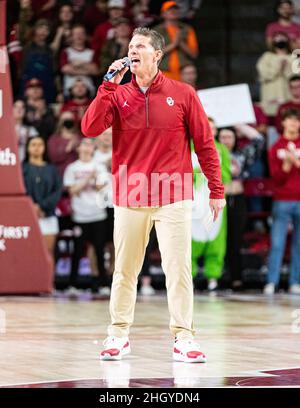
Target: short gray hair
x,y
156,39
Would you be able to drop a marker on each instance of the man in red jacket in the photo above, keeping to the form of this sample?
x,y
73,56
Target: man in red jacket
x,y
154,120
284,162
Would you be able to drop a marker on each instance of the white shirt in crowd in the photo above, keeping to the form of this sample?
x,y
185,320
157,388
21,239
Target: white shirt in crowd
x,y
73,56
89,205
102,158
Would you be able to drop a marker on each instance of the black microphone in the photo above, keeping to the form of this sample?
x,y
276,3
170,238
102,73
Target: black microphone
x,y
112,74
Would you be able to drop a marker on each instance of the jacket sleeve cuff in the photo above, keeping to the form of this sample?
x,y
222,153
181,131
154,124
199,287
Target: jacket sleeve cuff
x,y
214,196
109,86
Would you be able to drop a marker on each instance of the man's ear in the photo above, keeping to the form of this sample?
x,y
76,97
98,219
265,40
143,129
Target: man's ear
x,y
159,54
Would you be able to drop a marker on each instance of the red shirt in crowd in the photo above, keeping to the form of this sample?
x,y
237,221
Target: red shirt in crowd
x,y
103,32
260,116
292,30
286,185
92,17
152,135
56,149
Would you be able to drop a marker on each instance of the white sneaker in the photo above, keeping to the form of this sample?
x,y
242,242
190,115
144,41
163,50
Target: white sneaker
x,y
188,351
269,289
212,284
105,291
147,291
72,292
115,348
295,289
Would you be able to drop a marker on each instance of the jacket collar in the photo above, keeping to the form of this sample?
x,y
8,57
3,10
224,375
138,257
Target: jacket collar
x,y
157,82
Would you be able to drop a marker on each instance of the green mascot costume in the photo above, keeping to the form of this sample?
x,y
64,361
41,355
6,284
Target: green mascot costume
x,y
209,243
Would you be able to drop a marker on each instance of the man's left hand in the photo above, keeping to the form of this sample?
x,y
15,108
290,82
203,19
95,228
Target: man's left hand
x,y
216,205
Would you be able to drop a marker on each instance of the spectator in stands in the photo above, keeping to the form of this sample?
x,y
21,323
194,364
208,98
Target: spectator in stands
x,y
62,32
209,243
117,47
236,203
78,7
181,41
106,31
274,68
79,99
189,75
94,15
38,60
284,162
78,60
62,146
294,102
259,168
284,24
33,91
41,116
44,186
141,14
85,179
261,124
25,21
23,131
103,156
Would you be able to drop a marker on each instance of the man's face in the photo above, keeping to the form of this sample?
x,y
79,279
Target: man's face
x,y
295,89
142,54
286,10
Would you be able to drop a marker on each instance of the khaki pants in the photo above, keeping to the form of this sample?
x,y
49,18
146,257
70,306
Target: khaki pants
x,y
131,235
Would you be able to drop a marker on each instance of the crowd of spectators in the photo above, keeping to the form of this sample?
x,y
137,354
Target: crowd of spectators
x,y
59,52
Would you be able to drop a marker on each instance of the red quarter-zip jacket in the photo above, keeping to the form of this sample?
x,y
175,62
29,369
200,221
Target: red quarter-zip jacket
x,y
286,184
151,163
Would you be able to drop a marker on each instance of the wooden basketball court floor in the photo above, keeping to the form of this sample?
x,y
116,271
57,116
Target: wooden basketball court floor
x,y
250,340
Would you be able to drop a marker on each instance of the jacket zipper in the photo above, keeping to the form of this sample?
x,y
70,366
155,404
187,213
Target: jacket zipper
x,y
147,111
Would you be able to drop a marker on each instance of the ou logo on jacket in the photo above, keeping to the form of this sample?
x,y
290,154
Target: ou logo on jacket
x,y
170,101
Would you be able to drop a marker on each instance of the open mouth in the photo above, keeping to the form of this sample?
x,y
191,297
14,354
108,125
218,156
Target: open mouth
x,y
135,61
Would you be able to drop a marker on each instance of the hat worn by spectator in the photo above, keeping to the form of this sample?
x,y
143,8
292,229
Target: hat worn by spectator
x,y
116,4
167,5
33,83
84,80
81,79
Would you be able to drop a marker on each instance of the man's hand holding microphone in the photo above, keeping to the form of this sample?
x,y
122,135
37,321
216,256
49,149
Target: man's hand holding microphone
x,y
117,70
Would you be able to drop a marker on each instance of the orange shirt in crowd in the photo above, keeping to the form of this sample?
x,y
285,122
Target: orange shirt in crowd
x,y
174,64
